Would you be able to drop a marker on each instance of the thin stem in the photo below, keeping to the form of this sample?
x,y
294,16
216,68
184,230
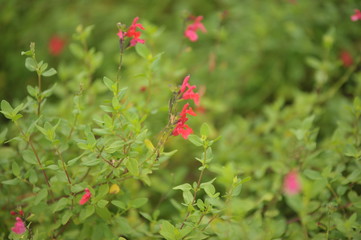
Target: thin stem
x,y
196,189
63,163
39,97
73,126
120,62
28,140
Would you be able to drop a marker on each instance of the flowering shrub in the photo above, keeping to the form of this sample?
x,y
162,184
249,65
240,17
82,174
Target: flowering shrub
x,y
126,144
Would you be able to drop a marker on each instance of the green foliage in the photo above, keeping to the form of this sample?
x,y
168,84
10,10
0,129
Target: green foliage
x,y
272,84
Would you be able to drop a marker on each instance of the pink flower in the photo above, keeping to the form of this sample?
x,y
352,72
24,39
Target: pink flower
x,y
187,91
19,227
85,198
291,183
182,128
56,45
356,16
346,59
132,33
191,29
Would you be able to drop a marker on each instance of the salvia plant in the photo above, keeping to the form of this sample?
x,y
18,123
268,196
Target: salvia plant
x,y
138,153
85,175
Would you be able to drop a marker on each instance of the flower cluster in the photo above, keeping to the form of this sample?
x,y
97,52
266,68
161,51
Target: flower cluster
x,y
356,16
191,30
19,227
85,198
182,128
132,33
186,91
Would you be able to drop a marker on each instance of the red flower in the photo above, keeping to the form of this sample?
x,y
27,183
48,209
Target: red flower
x,y
187,91
291,183
132,33
56,45
191,29
85,198
182,128
19,227
13,213
346,58
356,16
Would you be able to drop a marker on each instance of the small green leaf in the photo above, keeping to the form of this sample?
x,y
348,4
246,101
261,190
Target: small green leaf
x,y
167,230
14,181
137,203
103,213
143,51
67,215
41,195
187,197
312,174
183,187
29,157
61,204
6,107
102,203
49,72
197,141
86,212
119,204
108,83
205,130
31,64
15,168
132,166
3,136
76,50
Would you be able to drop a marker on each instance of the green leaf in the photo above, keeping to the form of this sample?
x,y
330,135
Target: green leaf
x,y
33,91
86,212
6,107
312,174
61,204
15,168
3,135
49,72
197,141
41,195
187,197
31,64
108,83
67,215
167,230
102,203
138,202
103,213
119,204
205,130
77,50
102,191
143,51
29,157
14,181
183,187
132,166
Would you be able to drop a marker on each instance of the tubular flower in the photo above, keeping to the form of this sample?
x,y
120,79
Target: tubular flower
x,y
132,33
291,183
187,91
182,128
85,198
191,29
19,227
356,16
